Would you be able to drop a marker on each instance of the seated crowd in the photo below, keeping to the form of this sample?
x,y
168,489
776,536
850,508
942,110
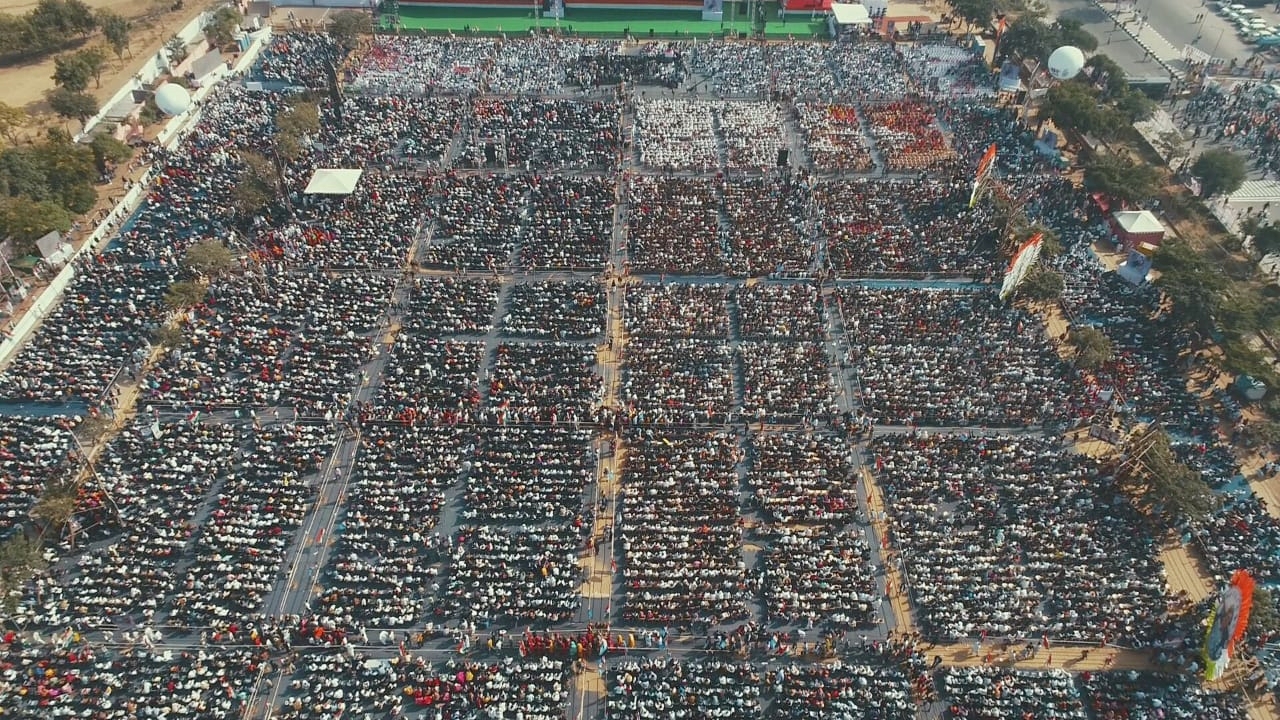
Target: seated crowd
x,y
476,222
677,135
681,542
671,310
33,453
950,357
386,559
673,225
769,228
1009,536
544,134
461,420
571,225
884,227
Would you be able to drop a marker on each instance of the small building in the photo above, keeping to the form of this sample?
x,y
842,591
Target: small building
x,y
1133,228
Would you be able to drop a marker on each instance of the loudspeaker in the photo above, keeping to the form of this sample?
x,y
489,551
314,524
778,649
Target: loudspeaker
x,y
783,155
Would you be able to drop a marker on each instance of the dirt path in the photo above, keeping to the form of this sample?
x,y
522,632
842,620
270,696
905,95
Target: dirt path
x,y
153,24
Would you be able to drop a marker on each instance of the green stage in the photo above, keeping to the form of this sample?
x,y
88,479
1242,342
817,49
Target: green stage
x,y
602,22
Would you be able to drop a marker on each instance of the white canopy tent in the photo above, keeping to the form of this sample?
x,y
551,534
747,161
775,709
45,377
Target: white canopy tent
x,y
333,181
850,14
1139,222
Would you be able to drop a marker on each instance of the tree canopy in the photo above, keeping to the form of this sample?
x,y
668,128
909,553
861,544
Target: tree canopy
x,y
1071,106
1069,31
1177,490
21,558
50,26
184,294
1192,284
12,120
1220,172
221,29
1093,347
70,72
1120,178
1042,284
107,149
177,50
26,220
347,26
975,12
116,29
1267,239
72,104
1032,38
210,258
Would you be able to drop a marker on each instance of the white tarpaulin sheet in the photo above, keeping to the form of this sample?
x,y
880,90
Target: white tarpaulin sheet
x,y
850,14
333,181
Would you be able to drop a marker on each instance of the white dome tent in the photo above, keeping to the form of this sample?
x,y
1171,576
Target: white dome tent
x,y
172,99
1066,62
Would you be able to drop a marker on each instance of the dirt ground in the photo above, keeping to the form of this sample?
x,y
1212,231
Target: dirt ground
x,y
154,23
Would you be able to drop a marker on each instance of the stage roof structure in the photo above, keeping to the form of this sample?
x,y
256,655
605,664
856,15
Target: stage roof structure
x,y
333,181
1138,222
850,14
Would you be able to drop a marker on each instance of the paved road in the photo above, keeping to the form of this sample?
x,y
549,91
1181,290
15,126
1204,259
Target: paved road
x,y
1117,43
1171,25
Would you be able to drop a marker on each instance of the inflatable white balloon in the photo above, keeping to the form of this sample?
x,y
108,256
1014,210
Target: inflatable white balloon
x,y
172,99
1066,62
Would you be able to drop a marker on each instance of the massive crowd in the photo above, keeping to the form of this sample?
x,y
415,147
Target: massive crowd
x,y
419,362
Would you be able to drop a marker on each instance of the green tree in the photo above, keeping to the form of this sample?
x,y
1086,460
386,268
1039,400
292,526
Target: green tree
x,y
1134,106
975,12
1220,172
1176,490
20,560
72,105
184,294
1107,74
1027,37
1069,31
169,336
1194,286
15,35
68,168
94,60
116,28
25,219
177,50
56,506
60,19
210,258
299,119
261,182
70,72
1264,621
1093,347
347,26
1267,239
1071,106
1042,284
221,29
12,120
1122,179
107,149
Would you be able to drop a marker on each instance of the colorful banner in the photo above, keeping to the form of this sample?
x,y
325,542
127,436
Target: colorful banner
x,y
1227,624
983,173
1020,264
